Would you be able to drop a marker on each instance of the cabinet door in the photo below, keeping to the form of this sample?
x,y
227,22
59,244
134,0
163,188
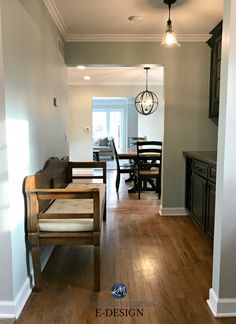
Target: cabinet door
x,y
210,213
215,88
198,199
215,43
188,184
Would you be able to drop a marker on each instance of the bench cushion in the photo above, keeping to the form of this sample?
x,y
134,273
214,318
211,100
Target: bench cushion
x,y
67,206
66,225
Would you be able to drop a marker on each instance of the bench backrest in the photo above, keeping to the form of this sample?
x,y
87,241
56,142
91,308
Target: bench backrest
x,y
57,173
53,175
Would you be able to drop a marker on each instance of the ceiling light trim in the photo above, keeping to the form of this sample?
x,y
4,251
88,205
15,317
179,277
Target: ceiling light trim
x,y
132,37
112,83
56,16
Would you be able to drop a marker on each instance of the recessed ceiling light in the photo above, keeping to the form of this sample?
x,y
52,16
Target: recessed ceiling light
x,y
135,18
86,77
80,67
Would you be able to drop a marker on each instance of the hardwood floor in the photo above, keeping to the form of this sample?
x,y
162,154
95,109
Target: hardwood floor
x,y
164,262
7,321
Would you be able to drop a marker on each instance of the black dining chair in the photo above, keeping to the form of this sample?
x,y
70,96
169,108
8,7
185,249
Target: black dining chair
x,y
149,155
121,168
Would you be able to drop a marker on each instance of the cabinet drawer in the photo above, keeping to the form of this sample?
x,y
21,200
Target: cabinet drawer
x,y
200,168
212,173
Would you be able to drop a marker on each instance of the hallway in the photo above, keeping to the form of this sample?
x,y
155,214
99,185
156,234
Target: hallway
x,y
164,262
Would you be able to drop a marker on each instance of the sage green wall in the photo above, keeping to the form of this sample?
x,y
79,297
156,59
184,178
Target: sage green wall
x,y
187,126
6,290
80,115
34,73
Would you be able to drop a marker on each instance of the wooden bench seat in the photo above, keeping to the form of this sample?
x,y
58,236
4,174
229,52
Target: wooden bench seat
x,y
62,212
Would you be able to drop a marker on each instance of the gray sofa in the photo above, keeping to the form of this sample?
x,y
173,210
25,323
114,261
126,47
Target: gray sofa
x,y
104,146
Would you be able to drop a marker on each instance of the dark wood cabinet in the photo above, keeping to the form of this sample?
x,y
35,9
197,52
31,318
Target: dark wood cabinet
x,y
200,193
215,43
210,210
198,199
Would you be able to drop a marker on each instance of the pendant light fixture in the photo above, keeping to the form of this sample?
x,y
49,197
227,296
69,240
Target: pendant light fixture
x,y
169,38
146,101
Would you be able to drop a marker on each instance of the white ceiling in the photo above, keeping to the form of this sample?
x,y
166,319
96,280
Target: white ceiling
x,y
135,75
106,20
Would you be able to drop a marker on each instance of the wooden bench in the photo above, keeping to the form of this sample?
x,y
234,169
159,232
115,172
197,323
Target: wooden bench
x,y
63,211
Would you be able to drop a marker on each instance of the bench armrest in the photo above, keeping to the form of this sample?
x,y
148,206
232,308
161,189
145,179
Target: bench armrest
x,y
66,193
35,195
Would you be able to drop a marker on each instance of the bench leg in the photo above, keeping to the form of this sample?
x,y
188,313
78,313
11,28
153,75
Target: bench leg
x,y
36,261
105,211
97,267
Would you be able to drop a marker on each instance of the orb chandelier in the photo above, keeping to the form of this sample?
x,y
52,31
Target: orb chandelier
x,y
169,37
146,101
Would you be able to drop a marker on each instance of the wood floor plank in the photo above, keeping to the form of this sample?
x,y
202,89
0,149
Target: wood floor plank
x,y
165,262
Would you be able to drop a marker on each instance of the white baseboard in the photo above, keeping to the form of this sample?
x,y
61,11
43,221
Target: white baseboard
x,y
221,307
12,309
176,211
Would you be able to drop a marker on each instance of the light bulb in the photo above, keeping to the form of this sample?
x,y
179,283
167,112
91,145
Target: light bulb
x,y
169,38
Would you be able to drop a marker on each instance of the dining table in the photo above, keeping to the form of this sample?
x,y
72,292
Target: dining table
x,y
132,154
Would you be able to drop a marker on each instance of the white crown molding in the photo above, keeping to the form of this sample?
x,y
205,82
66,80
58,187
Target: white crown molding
x,y
221,307
132,38
108,83
176,211
56,16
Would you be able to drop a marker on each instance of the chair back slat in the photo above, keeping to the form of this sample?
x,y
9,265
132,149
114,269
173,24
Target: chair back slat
x,y
149,159
150,143
116,154
150,150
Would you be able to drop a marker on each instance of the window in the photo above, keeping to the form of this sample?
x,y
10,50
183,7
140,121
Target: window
x,y
109,119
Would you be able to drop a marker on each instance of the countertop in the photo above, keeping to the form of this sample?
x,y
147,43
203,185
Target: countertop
x,y
204,156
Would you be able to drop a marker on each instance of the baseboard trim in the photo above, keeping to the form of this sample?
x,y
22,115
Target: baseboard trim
x,y
221,307
12,309
173,211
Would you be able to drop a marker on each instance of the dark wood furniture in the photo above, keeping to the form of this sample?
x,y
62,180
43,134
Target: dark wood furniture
x,y
96,156
149,155
61,211
162,256
215,43
200,189
131,154
122,168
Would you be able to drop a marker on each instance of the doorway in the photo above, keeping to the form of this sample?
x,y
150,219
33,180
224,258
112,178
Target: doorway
x,y
110,119
106,83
